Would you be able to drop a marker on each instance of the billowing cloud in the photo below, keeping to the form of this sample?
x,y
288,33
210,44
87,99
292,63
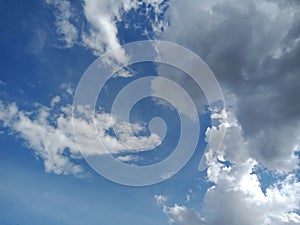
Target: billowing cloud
x,y
236,196
252,47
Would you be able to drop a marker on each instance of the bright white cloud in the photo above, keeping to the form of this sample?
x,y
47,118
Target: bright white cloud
x,y
50,134
48,141
101,33
237,196
103,16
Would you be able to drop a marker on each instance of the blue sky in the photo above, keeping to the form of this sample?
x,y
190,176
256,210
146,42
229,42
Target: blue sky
x,y
35,74
251,47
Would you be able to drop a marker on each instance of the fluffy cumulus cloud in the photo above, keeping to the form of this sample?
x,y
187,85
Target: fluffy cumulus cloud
x,y
252,47
237,198
49,132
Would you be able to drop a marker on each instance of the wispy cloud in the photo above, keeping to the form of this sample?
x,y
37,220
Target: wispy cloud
x,y
63,14
102,17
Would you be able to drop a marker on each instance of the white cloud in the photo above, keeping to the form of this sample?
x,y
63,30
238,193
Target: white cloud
x,y
287,219
101,33
160,199
55,100
183,216
63,14
49,133
48,141
128,139
128,158
103,17
237,196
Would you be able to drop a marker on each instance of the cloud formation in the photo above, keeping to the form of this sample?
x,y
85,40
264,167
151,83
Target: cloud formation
x,y
100,24
237,198
252,47
64,27
49,132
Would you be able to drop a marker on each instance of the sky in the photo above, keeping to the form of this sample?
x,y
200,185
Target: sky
x,y
81,124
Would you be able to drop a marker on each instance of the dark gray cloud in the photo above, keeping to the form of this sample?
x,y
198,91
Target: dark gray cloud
x,y
253,47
